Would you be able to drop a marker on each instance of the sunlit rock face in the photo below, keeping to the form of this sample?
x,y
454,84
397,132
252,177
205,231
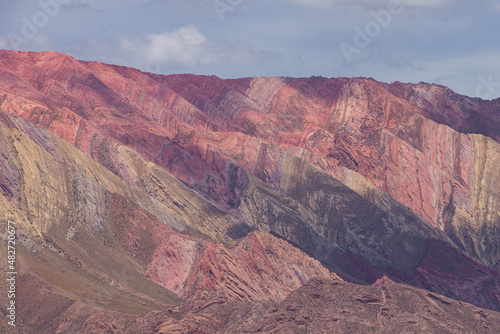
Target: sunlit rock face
x,y
177,191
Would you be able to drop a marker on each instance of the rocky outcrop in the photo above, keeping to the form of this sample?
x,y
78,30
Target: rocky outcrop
x,y
259,267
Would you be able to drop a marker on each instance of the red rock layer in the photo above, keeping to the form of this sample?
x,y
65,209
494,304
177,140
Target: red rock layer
x,y
216,135
374,129
87,240
259,267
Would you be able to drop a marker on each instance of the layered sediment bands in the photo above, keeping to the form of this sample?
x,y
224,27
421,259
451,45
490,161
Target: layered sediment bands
x,y
258,267
186,124
158,192
63,240
95,113
334,224
479,227
441,104
448,272
207,160
313,205
90,243
412,158
426,166
67,212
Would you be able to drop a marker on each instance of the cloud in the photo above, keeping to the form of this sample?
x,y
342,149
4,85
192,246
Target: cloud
x,y
365,4
183,46
186,47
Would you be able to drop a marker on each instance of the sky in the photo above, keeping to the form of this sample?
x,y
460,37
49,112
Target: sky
x,y
455,43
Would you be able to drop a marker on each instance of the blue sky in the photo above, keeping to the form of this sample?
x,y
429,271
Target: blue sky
x,y
455,43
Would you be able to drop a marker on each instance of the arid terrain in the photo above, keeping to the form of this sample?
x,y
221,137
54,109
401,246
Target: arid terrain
x,y
149,203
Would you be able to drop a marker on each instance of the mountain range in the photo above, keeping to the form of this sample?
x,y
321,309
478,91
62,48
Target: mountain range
x,y
195,204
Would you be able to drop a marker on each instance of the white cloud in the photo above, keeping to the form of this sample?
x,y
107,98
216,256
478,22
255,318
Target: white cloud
x,y
185,47
363,4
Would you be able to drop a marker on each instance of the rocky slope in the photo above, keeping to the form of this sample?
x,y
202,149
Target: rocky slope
x,y
321,306
88,240
145,189
403,139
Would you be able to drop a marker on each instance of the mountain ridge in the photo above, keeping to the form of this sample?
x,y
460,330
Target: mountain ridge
x,y
368,178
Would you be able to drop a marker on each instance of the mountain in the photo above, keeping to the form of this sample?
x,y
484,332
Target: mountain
x,y
146,202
